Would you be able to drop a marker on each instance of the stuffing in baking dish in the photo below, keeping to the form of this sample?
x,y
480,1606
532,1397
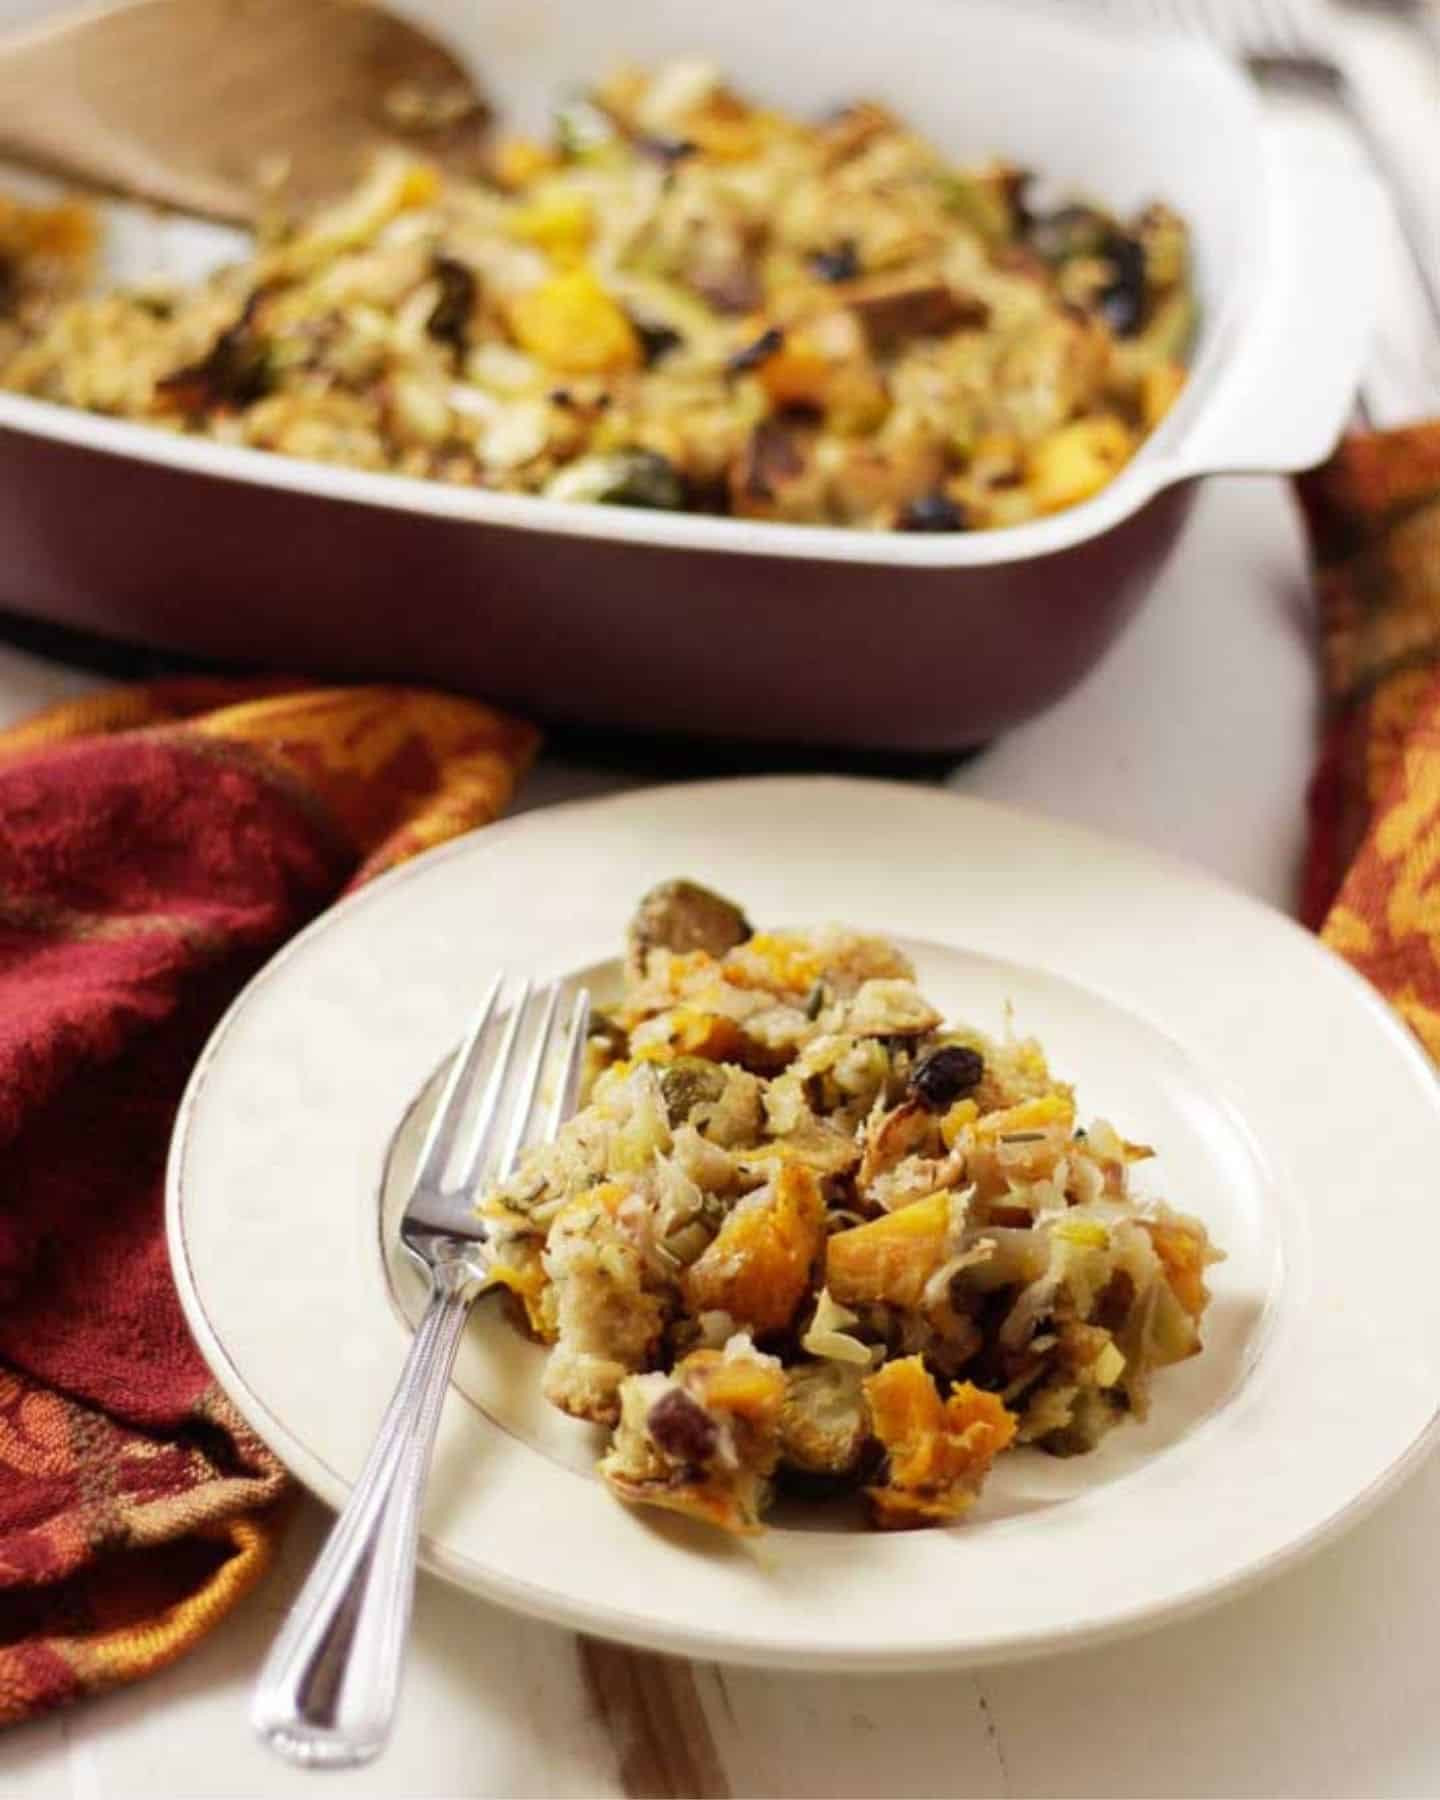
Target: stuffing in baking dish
x,y
804,1234
683,300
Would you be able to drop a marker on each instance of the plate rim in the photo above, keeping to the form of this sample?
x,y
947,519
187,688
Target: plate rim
x,y
311,1469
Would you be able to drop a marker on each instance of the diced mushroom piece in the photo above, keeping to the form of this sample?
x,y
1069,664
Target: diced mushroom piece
x,y
824,1424
731,287
682,916
893,311
853,128
234,372
703,1440
777,475
895,1135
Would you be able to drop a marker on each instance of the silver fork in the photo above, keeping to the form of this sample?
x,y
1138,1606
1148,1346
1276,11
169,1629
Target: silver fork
x,y
326,1696
1292,43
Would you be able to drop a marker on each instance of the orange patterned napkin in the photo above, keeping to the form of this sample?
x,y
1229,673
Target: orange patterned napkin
x,y
1372,879
156,845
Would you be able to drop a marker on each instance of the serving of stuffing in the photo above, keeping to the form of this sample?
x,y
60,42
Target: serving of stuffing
x,y
803,1236
683,300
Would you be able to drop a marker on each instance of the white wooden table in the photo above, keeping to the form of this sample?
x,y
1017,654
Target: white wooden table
x,y
1195,736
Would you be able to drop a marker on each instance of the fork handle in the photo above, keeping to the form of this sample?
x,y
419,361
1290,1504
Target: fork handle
x,y
326,1696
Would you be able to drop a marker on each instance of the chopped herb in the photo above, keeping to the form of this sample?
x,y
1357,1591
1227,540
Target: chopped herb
x,y
449,321
763,348
656,340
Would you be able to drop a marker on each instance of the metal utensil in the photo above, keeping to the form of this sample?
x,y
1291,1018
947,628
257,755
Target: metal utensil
x,y
1423,16
191,102
327,1693
1291,43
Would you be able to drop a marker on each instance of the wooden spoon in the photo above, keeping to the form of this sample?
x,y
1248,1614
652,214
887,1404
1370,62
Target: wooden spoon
x,y
201,104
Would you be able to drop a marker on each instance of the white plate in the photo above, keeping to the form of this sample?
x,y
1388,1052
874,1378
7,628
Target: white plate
x,y
1290,1109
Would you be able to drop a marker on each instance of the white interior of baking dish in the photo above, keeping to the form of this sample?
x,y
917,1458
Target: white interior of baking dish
x,y
1284,227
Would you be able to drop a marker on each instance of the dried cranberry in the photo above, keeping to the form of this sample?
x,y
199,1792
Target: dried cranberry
x,y
947,1075
1122,300
840,264
655,340
682,1428
933,512
449,321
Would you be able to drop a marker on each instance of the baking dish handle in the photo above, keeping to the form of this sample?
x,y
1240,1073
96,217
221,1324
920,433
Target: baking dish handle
x,y
1287,393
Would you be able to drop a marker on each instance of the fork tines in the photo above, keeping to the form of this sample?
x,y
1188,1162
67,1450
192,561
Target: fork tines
x,y
501,1089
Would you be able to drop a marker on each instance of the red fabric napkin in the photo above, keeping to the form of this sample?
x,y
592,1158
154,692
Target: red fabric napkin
x,y
156,846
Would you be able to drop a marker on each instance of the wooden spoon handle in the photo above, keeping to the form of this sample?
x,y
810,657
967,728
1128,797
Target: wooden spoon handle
x,y
48,122
184,101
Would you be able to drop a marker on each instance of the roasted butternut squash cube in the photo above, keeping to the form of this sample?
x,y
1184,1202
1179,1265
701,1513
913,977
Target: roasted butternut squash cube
x,y
571,324
1183,1253
1077,461
519,161
1038,1114
938,1451
892,1257
1160,387
557,222
757,1268
796,376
